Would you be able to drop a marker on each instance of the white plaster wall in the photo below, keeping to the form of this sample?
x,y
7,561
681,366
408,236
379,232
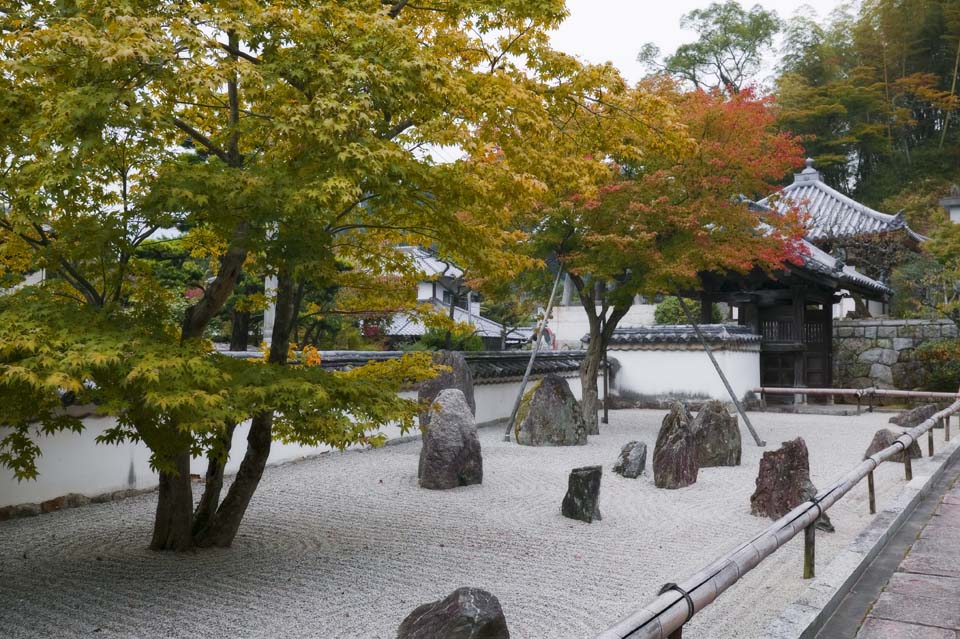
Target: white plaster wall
x,y
570,323
847,305
685,373
75,463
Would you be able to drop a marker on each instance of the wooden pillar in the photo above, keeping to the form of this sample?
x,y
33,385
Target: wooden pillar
x,y
800,360
872,492
828,336
930,443
706,308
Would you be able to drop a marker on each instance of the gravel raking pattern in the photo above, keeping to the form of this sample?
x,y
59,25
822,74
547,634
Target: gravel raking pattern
x,y
345,545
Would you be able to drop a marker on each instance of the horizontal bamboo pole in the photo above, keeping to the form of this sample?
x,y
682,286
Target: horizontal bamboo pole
x,y
670,611
861,392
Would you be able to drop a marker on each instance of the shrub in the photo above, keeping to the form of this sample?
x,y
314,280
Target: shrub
x,y
939,365
669,312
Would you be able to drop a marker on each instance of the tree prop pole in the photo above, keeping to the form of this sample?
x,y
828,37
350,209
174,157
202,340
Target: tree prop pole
x,y
723,378
533,356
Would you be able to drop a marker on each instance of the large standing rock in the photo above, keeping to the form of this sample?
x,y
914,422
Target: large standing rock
x,y
468,613
632,460
717,436
450,456
549,415
783,483
459,376
582,500
675,453
884,438
915,416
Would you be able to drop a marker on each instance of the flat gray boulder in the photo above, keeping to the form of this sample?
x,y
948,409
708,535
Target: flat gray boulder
x,y
582,500
550,415
675,453
632,460
450,455
468,613
459,377
717,436
884,438
915,416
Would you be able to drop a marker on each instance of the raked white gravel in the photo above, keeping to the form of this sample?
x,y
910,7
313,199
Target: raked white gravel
x,y
345,545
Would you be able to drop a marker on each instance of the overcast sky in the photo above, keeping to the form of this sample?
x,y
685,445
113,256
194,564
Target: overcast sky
x,y
614,30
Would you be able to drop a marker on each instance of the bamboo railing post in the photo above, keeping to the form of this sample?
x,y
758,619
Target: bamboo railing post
x,y
907,465
809,550
872,493
946,428
676,634
930,443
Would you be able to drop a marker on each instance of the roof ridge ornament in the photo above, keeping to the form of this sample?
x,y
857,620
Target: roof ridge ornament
x,y
809,174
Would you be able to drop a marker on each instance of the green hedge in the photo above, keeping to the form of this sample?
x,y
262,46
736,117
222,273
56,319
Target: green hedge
x,y
669,312
939,365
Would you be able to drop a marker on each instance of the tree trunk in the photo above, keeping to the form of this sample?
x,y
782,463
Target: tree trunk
x,y
223,525
590,403
216,461
239,330
171,527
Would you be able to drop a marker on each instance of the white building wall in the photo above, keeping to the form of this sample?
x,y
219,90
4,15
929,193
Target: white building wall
x,y
685,373
75,463
570,324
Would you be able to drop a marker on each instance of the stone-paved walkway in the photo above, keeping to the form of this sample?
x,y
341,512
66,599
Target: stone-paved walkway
x,y
922,598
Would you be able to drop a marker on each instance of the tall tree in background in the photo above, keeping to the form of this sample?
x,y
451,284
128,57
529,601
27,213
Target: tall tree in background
x,y
873,94
729,48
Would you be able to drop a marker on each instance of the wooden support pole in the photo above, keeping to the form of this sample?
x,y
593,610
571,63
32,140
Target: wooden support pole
x,y
809,550
533,356
946,428
723,378
930,443
872,493
907,465
676,634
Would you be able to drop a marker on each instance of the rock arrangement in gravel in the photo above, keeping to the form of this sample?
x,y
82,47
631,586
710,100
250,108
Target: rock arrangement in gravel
x,y
582,500
675,453
884,438
450,455
459,376
717,436
915,416
71,500
467,613
632,460
550,415
783,483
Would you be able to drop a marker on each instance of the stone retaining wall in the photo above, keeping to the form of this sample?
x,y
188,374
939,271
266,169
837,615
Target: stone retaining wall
x,y
879,352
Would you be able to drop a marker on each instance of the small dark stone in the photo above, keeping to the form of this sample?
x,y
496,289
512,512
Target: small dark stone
x,y
459,377
550,415
884,438
468,613
450,455
75,500
717,436
915,416
675,453
582,500
632,460
783,483
53,505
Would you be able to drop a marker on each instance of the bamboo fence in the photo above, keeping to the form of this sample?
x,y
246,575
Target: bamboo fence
x,y
664,617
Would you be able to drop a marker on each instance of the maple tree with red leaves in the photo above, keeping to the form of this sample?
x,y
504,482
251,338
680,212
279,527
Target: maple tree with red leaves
x,y
660,222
